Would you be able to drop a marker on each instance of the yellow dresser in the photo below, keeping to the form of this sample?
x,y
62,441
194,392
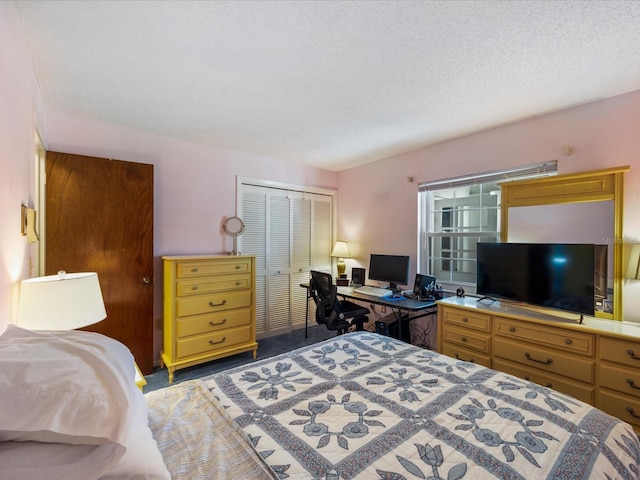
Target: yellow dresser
x,y
209,309
596,361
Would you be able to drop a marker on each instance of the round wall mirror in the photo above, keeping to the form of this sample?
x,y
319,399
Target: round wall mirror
x,y
234,226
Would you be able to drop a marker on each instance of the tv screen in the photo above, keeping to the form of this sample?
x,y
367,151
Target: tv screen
x,y
392,269
558,276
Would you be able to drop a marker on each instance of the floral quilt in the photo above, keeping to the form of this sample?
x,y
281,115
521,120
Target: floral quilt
x,y
369,407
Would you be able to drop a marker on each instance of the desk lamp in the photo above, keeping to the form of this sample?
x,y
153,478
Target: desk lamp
x,y
65,301
341,251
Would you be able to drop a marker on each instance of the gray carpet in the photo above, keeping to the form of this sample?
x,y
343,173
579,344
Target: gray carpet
x,y
267,347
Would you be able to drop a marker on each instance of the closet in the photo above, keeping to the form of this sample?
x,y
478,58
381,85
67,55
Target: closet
x,y
290,231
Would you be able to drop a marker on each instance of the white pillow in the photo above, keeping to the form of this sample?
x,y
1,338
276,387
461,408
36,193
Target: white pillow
x,y
70,387
142,460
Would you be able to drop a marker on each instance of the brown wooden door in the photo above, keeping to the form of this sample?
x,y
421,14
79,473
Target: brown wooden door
x,y
99,218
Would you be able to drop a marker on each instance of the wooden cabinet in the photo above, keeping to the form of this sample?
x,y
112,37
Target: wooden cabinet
x,y
597,361
209,309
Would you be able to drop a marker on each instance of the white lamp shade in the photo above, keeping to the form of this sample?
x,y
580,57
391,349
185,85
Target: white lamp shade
x,y
61,302
341,250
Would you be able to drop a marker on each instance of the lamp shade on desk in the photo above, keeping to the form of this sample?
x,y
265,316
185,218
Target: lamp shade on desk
x,y
341,251
61,302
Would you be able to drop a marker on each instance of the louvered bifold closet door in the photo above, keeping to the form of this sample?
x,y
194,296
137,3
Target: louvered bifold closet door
x,y
301,206
290,233
254,242
279,262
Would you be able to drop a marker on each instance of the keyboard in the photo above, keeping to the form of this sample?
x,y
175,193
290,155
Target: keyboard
x,y
373,291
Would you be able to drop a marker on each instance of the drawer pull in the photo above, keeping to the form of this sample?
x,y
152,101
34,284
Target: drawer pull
x,y
548,385
549,361
238,283
238,267
195,287
568,341
632,383
464,339
211,342
465,319
211,322
194,269
632,354
471,360
211,304
512,329
630,410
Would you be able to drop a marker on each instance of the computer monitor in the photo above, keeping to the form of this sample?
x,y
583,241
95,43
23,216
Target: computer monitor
x,y
392,269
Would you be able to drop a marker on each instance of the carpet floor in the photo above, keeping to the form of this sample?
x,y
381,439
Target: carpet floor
x,y
267,347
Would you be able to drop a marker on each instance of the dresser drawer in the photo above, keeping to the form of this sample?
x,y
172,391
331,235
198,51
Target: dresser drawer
x,y
212,303
211,342
625,380
546,359
577,390
467,339
567,340
620,351
624,407
477,321
213,284
196,325
455,351
203,268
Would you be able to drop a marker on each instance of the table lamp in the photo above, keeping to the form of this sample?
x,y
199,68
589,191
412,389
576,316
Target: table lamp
x,y
341,251
65,301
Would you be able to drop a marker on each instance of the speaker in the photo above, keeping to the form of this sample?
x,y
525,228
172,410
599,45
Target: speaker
x,y
358,276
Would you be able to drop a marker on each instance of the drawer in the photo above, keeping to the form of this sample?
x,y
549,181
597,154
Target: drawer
x,y
213,284
196,325
212,303
577,390
546,359
566,340
625,380
620,351
622,406
455,351
477,321
467,339
212,342
219,267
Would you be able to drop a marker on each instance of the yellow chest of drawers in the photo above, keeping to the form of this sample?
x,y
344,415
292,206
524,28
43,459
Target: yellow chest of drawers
x,y
209,309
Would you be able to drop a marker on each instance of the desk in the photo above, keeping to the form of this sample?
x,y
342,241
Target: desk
x,y
397,305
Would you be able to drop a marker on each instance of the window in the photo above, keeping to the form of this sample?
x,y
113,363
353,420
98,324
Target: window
x,y
457,213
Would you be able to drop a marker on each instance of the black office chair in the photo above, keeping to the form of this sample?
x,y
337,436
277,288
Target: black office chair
x,y
335,314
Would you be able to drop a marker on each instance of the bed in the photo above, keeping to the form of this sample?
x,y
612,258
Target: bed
x,y
366,406
359,406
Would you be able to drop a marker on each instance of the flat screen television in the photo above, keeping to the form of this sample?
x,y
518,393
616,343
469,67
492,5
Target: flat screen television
x,y
391,269
561,276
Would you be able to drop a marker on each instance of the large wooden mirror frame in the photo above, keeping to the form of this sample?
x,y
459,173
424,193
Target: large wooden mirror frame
x,y
593,186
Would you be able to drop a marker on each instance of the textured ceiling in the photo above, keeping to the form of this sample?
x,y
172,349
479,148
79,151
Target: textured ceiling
x,y
331,84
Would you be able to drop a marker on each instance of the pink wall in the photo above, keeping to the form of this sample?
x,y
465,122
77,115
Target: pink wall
x,y
377,210
20,112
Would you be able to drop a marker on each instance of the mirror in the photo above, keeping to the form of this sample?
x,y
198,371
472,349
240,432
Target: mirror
x,y
234,226
582,207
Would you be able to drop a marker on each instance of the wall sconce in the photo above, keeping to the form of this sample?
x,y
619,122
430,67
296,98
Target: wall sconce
x,y
341,251
61,302
28,224
633,267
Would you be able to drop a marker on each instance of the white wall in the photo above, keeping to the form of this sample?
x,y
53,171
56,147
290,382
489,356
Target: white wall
x,y
377,209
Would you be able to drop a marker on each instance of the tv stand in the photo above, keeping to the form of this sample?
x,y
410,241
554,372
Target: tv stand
x,y
596,361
